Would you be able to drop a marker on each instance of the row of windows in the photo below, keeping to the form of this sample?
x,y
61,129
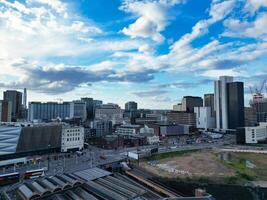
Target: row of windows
x,y
73,139
73,134
73,130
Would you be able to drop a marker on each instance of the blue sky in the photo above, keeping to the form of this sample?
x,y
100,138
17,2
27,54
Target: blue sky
x,y
150,51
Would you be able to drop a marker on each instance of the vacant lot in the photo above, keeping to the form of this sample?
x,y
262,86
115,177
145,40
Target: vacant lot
x,y
209,165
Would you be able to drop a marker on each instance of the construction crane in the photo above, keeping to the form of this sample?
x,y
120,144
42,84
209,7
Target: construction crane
x,y
258,93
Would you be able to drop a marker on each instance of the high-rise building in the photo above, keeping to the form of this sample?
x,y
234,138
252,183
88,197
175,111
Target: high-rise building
x,y
15,98
220,103
178,117
229,103
102,127
260,106
189,102
78,110
209,102
250,116
5,111
90,107
131,106
204,119
235,102
25,98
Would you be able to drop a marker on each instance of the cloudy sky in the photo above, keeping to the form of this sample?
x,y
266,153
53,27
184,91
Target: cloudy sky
x,y
149,51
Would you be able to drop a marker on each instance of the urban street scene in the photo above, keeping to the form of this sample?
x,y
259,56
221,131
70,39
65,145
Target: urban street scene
x,y
133,100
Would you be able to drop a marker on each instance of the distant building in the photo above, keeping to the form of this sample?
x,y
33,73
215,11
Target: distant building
x,y
101,127
229,103
260,106
48,111
177,107
128,129
186,118
174,130
250,116
189,102
235,102
78,110
110,112
5,111
72,138
209,102
91,106
15,98
131,106
204,119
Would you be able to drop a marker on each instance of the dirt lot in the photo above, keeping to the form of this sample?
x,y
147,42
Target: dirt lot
x,y
197,164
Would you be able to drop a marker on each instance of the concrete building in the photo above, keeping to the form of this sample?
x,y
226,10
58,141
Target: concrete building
x,y
253,134
5,111
110,112
177,107
78,110
174,130
15,98
209,102
260,106
131,106
235,103
101,127
186,118
47,111
221,103
189,102
128,129
72,138
250,116
91,106
204,120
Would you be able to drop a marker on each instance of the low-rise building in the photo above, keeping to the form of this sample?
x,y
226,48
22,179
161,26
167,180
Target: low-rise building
x,y
128,129
252,135
72,138
177,117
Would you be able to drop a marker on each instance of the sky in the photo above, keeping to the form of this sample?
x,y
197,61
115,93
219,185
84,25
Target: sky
x,y
153,52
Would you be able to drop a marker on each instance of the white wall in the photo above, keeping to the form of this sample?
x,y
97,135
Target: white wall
x,y
72,138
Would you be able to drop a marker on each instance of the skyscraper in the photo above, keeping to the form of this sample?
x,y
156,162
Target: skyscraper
x,y
235,102
209,102
189,102
15,98
5,111
220,103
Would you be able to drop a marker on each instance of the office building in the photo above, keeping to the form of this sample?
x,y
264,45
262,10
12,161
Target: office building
x,y
47,111
91,105
177,107
5,111
189,102
166,130
209,102
110,112
78,110
102,127
221,96
131,106
252,135
235,103
186,118
250,116
229,103
260,106
15,98
128,129
204,120
72,138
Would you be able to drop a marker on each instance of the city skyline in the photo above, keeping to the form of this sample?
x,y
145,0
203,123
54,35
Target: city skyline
x,y
153,52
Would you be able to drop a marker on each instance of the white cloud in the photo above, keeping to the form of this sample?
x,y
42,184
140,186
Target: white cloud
x,y
255,29
152,18
253,5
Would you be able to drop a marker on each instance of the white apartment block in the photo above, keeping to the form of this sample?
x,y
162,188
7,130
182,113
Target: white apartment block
x,y
72,138
128,129
255,134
